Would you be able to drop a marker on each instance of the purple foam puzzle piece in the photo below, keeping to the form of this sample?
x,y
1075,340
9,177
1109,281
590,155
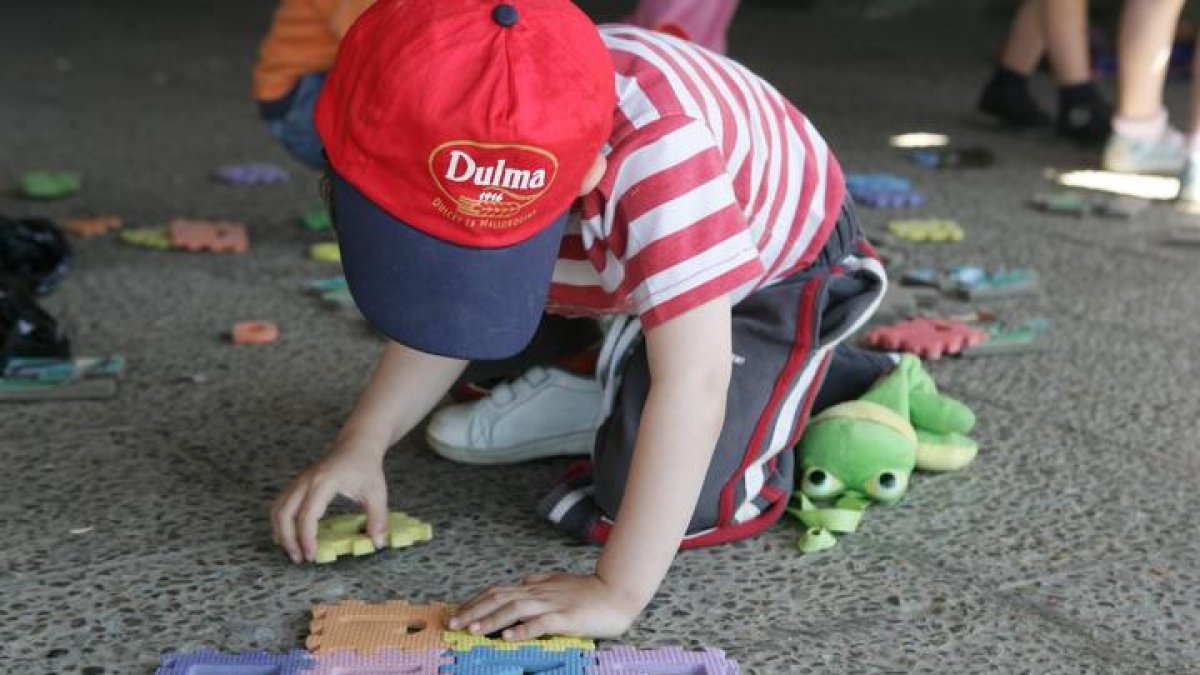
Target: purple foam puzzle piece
x,y
888,198
208,661
664,661
492,661
383,662
252,174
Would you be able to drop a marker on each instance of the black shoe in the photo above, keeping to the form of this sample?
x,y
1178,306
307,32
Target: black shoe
x,y
1088,121
1009,101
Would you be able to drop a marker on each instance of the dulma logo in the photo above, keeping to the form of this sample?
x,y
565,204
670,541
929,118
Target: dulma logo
x,y
492,182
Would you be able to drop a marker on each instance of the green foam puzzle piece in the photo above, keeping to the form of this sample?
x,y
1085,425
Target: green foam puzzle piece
x,y
343,535
50,184
317,220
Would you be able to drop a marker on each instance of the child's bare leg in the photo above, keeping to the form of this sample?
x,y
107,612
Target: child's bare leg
x,y
1006,95
1083,114
706,22
1026,42
1147,28
1142,140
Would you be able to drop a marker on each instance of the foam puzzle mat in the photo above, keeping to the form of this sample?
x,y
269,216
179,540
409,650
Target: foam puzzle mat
x,y
398,638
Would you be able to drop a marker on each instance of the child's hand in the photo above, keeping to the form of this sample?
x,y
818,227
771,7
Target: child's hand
x,y
549,604
353,470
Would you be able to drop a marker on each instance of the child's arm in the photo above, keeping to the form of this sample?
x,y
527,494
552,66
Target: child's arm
x,y
690,365
404,388
300,41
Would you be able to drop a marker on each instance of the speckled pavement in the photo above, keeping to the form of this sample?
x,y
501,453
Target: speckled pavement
x,y
1070,546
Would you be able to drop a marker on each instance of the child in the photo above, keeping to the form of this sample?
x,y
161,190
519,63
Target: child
x,y
304,36
491,159
1057,27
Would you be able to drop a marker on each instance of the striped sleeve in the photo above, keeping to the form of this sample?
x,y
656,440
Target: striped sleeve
x,y
675,223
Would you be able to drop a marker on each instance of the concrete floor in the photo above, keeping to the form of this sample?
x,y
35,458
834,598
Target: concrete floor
x,y
1070,546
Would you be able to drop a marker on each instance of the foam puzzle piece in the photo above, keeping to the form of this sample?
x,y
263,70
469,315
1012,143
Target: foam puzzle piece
x,y
317,220
343,535
41,379
87,388
664,661
211,662
926,229
1067,203
60,370
925,337
877,181
91,227
1004,339
952,158
888,199
325,252
255,173
883,190
463,641
990,285
489,661
148,237
328,285
353,625
49,185
216,236
384,662
254,333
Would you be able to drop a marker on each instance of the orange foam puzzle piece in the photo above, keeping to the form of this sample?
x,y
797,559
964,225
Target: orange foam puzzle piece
x,y
217,236
353,625
925,337
91,227
254,333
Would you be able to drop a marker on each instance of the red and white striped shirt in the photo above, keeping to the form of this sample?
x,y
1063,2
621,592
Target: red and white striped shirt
x,y
715,184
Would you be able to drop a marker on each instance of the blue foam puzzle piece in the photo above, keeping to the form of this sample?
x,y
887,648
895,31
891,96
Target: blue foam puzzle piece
x,y
492,661
878,181
212,662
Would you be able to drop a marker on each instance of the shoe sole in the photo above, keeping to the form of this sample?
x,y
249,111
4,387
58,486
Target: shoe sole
x,y
567,445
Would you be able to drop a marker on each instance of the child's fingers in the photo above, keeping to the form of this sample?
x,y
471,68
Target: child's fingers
x,y
315,502
549,623
283,516
510,613
375,506
481,605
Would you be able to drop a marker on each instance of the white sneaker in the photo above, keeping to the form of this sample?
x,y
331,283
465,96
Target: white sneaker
x,y
1188,200
1126,154
544,413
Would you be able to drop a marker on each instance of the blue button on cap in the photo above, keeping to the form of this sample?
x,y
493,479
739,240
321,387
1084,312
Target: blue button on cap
x,y
505,15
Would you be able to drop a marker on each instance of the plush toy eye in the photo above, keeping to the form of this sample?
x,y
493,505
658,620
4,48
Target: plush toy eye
x,y
819,483
888,486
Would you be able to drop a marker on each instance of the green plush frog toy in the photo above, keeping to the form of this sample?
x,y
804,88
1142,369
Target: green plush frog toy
x,y
865,450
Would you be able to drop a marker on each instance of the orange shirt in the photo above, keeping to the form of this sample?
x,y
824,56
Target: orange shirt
x,y
303,39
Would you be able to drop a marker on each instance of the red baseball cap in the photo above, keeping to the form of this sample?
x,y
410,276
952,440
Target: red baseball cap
x,y
459,133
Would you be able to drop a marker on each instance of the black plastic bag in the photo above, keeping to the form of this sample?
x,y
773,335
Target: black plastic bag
x,y
27,330
35,251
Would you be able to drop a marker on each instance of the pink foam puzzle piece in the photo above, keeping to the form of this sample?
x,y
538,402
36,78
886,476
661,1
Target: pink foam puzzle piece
x,y
925,337
385,662
664,661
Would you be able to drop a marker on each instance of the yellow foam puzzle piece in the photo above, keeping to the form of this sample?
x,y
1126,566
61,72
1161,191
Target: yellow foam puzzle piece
x,y
926,230
463,641
326,252
147,237
343,535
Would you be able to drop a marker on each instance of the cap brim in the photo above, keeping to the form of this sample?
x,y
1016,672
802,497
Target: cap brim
x,y
438,297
